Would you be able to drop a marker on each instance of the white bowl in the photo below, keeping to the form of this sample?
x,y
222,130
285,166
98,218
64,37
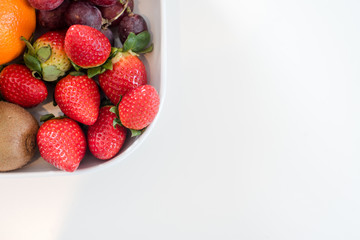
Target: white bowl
x,y
153,12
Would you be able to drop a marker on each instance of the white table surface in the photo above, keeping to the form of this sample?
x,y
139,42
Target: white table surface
x,y
258,138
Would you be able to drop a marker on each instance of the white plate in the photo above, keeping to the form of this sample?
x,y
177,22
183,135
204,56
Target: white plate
x,y
153,12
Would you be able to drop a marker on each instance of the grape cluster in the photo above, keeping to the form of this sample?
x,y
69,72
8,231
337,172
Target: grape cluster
x,y
103,15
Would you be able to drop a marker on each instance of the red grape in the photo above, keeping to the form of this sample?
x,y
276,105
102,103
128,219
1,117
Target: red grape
x,y
45,4
83,13
131,23
109,34
104,3
109,13
53,19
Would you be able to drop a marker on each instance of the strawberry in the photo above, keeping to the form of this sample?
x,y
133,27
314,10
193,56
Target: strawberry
x,y
47,56
105,140
128,73
62,143
78,98
138,108
17,85
86,47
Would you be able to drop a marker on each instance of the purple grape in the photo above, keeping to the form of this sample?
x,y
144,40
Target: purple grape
x,y
104,3
110,13
131,23
53,19
45,4
83,13
109,34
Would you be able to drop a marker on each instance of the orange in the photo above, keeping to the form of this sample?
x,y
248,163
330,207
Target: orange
x,y
17,18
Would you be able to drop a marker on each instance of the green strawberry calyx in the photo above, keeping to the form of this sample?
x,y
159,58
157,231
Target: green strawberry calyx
x,y
92,72
49,116
34,60
138,43
117,121
115,109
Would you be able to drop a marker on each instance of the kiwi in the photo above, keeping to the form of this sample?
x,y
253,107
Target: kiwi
x,y
18,130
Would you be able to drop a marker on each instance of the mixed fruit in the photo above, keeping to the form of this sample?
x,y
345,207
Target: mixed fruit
x,y
102,90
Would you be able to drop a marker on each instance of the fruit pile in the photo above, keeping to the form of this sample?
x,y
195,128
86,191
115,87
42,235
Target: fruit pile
x,y
101,89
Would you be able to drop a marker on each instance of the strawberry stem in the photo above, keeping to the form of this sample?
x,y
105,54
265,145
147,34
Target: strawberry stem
x,y
29,46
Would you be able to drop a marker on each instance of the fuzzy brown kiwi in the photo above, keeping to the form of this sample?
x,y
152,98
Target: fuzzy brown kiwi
x,y
18,130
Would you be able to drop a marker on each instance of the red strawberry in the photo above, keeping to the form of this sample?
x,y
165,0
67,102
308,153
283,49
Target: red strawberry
x,y
105,140
47,56
62,143
138,108
86,46
17,85
78,98
128,73
54,63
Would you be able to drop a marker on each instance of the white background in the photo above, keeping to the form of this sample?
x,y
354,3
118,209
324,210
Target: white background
x,y
258,138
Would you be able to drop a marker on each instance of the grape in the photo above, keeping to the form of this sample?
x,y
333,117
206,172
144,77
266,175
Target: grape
x,y
108,33
131,23
110,13
83,13
53,19
104,3
45,4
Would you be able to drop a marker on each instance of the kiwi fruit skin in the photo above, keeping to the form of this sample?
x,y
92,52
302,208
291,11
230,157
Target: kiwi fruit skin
x,y
18,129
